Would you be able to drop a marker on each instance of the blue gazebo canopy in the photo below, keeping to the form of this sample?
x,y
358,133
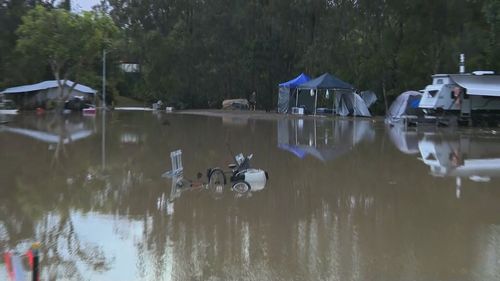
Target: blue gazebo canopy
x,y
302,78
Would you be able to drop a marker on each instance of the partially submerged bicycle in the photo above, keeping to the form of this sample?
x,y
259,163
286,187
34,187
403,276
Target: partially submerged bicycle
x,y
242,177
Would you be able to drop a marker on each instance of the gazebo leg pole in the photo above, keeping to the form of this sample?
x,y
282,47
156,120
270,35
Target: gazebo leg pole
x,y
315,102
296,97
333,105
355,104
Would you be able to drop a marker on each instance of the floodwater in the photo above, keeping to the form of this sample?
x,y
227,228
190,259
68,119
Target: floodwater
x,y
345,200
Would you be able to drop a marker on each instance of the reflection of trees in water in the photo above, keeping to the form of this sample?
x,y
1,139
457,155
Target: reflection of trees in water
x,y
63,252
30,218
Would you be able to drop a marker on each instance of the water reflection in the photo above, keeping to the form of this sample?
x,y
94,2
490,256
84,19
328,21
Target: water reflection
x,y
378,213
325,140
52,129
462,155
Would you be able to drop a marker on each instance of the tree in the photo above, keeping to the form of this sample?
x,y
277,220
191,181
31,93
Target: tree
x,y
68,43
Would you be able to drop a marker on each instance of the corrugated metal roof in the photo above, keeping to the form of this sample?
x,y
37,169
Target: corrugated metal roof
x,y
47,85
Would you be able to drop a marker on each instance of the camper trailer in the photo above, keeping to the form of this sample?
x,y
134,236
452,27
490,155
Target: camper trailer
x,y
471,97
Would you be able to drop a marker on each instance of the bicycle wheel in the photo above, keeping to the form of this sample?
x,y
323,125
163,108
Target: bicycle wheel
x,y
217,179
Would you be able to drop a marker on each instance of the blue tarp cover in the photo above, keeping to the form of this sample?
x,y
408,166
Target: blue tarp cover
x,y
326,81
302,78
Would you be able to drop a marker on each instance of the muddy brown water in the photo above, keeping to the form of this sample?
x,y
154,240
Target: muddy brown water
x,y
346,199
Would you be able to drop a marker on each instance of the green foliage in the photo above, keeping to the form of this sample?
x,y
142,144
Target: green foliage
x,y
68,43
196,53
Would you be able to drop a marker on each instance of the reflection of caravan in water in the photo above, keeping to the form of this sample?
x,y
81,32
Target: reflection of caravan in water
x,y
463,157
473,96
477,158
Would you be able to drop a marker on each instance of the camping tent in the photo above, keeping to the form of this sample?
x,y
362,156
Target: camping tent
x,y
368,97
325,82
405,105
286,89
351,104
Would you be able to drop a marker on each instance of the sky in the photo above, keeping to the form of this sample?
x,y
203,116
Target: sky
x,y
83,5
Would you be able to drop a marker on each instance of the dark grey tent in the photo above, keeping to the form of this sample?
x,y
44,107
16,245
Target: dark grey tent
x,y
326,82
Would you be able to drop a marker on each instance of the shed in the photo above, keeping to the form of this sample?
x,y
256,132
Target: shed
x,y
37,95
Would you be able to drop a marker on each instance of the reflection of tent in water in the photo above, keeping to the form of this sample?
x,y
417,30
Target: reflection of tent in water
x,y
405,141
325,140
405,106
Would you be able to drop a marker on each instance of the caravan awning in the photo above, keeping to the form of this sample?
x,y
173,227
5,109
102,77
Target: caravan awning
x,y
479,85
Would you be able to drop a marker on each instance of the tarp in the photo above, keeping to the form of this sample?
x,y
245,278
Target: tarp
x,y
301,79
369,97
351,105
283,99
478,85
405,104
326,81
235,104
47,85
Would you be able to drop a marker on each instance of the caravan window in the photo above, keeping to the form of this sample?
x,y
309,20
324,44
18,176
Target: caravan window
x,y
433,93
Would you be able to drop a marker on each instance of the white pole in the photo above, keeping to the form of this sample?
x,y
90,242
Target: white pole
x,y
355,103
297,97
104,78
315,101
103,141
333,105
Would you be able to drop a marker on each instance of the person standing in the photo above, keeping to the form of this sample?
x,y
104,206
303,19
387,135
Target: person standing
x,y
253,101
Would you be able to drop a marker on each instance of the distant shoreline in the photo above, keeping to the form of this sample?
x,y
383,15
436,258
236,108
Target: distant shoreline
x,y
262,115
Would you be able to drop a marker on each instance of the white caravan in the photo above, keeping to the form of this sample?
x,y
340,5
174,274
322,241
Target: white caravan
x,y
475,95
